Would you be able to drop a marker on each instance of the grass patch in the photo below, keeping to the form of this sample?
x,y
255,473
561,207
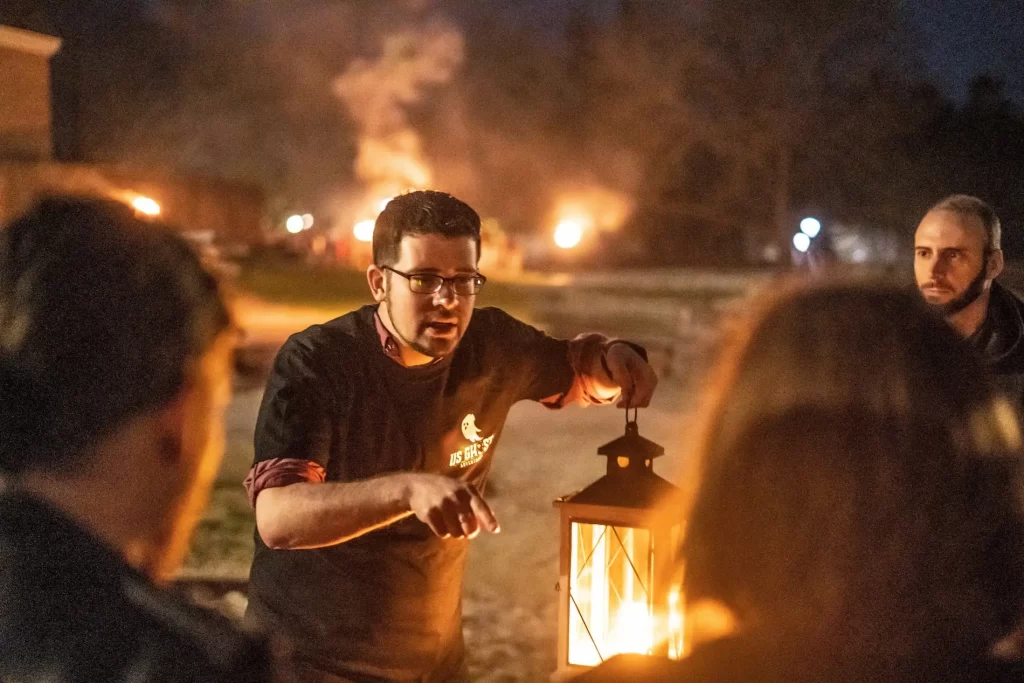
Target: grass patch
x,y
223,543
301,284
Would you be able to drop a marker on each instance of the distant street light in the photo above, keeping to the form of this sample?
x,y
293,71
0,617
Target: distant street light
x,y
307,221
568,233
294,224
810,227
363,230
147,206
802,242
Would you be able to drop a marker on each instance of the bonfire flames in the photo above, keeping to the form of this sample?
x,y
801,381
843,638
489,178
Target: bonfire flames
x,y
378,93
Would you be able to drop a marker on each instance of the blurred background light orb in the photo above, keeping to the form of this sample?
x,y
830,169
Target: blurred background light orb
x,y
146,206
363,230
294,224
810,226
802,242
568,234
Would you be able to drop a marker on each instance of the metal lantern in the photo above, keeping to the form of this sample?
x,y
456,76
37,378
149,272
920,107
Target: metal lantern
x,y
616,593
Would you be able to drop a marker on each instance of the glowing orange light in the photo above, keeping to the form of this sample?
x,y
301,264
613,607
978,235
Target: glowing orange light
x,y
612,612
147,206
363,230
569,233
294,224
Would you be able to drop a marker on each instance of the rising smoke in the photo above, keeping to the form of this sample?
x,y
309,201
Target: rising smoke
x,y
378,93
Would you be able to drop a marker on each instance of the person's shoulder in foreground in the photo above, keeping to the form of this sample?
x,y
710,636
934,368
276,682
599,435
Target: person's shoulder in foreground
x,y
76,612
737,659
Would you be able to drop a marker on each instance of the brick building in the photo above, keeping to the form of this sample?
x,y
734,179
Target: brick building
x,y
25,123
231,212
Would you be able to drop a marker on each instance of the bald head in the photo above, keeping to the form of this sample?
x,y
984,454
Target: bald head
x,y
967,208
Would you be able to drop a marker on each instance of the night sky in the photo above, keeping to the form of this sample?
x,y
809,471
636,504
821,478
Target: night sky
x,y
961,38
957,39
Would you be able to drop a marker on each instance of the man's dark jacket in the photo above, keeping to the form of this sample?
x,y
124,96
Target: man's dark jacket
x,y
1000,339
72,611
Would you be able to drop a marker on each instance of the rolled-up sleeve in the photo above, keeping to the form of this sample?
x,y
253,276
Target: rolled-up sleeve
x,y
294,428
281,472
583,353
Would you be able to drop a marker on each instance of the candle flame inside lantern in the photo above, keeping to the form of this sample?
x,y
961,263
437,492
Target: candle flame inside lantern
x,y
610,610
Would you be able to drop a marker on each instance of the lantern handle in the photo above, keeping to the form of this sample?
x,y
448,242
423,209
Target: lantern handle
x,y
635,414
629,395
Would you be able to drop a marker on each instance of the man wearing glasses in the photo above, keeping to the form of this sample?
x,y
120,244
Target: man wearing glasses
x,y
374,440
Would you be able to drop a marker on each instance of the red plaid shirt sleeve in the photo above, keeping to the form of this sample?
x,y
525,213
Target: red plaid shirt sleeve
x,y
281,472
584,352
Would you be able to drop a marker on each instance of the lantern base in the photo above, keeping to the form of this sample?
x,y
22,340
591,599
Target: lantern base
x,y
568,673
626,667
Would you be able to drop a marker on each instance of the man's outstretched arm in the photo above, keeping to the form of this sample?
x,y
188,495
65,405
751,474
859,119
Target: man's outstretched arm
x,y
317,514
620,367
296,507
602,370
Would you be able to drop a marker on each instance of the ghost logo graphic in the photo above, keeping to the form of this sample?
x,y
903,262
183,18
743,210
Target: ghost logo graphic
x,y
474,452
469,429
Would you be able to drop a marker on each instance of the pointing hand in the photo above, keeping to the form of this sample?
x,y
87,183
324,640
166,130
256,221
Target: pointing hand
x,y
450,507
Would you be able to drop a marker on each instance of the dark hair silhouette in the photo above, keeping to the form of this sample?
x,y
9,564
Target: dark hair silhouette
x,y
101,316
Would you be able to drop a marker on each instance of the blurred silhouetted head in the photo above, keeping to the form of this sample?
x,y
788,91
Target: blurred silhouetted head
x,y
102,318
859,481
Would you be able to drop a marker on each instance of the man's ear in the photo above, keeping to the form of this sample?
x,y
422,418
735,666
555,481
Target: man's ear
x,y
376,277
171,425
994,266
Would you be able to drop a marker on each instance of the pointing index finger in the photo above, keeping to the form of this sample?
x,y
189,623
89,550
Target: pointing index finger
x,y
484,515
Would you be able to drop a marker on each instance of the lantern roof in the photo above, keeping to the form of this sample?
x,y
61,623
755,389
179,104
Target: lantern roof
x,y
641,490
631,445
630,480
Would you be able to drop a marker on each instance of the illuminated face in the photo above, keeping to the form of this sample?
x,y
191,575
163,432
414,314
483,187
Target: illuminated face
x,y
185,493
950,260
432,324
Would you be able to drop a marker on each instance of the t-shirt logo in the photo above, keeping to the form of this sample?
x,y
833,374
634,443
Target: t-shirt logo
x,y
469,429
478,445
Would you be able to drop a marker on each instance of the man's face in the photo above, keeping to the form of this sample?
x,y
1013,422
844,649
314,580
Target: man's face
x,y
949,260
432,324
199,424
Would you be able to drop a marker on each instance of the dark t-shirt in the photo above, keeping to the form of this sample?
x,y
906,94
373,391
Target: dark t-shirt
x,y
72,611
387,604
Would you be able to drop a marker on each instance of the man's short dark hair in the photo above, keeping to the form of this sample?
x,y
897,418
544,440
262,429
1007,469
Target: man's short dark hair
x,y
966,205
101,318
424,212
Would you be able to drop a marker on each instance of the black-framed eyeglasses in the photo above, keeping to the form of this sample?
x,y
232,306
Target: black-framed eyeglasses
x,y
429,283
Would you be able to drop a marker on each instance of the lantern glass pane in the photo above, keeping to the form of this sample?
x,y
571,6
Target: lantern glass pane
x,y
676,624
610,604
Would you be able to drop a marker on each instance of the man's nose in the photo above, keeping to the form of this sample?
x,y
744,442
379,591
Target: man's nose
x,y
446,295
940,266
